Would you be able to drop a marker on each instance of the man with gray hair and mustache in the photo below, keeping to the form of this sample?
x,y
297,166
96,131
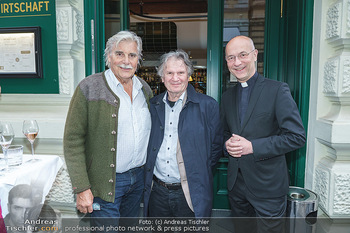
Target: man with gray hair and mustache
x,y
106,134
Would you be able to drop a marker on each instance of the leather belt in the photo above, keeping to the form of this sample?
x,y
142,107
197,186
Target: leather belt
x,y
170,186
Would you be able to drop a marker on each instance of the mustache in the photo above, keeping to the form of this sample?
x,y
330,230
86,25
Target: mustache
x,y
125,66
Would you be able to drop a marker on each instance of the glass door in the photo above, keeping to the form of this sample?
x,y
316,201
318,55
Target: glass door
x,y
240,17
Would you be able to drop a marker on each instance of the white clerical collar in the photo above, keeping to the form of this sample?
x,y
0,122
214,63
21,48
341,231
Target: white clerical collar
x,y
245,84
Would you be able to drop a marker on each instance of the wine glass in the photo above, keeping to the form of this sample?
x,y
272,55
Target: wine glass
x,y
30,130
6,137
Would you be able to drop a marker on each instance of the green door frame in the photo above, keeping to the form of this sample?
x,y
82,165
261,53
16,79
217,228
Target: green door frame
x,y
214,89
289,26
214,48
124,15
94,36
290,62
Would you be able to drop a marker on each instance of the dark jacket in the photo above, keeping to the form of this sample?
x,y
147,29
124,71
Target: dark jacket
x,y
200,135
273,125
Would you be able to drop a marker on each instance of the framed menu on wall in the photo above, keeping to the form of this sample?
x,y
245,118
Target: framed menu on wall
x,y
20,50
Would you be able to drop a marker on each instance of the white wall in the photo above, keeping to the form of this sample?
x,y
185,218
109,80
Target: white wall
x,y
328,146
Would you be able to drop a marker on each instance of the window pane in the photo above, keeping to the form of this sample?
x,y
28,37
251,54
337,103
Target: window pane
x,y
244,17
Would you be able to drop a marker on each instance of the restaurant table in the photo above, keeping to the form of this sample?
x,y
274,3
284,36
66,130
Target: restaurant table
x,y
39,174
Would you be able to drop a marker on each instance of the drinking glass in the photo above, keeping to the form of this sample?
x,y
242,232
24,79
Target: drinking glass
x,y
30,130
6,137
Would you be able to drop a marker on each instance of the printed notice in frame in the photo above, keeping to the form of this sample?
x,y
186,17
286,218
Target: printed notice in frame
x,y
20,51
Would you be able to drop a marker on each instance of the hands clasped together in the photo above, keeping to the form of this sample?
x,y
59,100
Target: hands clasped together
x,y
237,146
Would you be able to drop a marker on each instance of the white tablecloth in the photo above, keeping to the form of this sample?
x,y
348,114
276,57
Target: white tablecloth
x,y
39,174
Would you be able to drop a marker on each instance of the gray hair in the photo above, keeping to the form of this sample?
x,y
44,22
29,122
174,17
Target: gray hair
x,y
179,55
119,37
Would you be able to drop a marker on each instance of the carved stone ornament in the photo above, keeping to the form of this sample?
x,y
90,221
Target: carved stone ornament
x,y
346,77
66,71
330,76
322,180
333,21
64,24
341,201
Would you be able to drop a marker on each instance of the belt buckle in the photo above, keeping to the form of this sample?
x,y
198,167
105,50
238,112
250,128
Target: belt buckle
x,y
172,186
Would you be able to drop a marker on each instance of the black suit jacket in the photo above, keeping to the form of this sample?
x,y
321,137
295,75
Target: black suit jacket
x,y
273,125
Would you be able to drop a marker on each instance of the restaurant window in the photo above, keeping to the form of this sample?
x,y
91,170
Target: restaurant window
x,y
165,26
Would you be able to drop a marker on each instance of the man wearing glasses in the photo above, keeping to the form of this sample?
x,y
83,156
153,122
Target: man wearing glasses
x,y
261,124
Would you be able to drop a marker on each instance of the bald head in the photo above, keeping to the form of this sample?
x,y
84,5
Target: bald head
x,y
241,41
241,56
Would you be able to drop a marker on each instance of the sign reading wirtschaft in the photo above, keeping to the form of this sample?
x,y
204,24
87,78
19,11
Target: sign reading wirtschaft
x,y
24,8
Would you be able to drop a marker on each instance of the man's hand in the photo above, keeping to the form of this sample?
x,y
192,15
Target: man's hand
x,y
84,201
237,146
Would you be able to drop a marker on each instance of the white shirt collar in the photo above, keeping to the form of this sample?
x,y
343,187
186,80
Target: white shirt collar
x,y
181,97
245,84
111,79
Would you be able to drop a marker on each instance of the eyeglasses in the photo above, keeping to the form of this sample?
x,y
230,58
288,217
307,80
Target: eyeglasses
x,y
121,55
242,56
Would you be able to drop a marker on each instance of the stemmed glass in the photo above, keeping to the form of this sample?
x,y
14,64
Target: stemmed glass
x,y
6,137
30,130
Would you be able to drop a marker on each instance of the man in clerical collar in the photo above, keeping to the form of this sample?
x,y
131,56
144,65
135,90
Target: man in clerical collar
x,y
261,124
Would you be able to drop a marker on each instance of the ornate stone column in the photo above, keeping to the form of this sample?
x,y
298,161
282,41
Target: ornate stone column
x,y
332,138
70,42
71,68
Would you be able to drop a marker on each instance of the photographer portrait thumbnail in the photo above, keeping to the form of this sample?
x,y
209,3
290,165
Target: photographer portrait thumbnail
x,y
26,214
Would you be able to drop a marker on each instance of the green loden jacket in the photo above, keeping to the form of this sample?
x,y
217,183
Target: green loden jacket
x,y
90,136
